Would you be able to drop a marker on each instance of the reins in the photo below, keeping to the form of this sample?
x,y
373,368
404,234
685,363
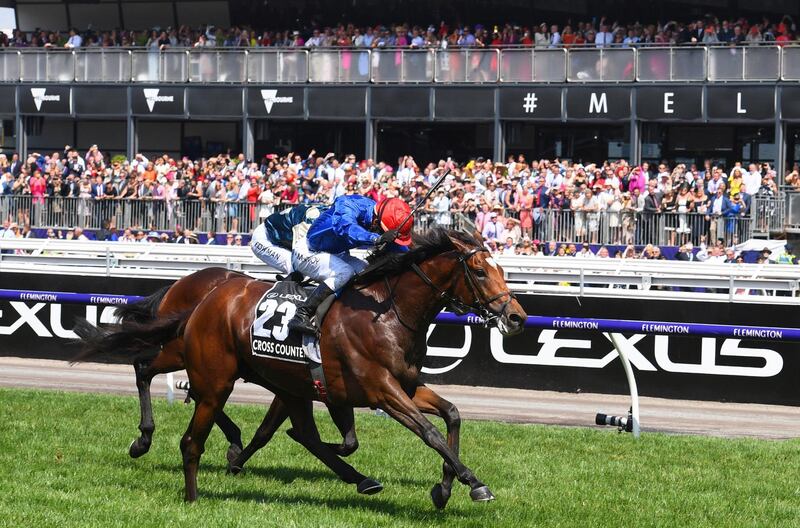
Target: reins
x,y
481,305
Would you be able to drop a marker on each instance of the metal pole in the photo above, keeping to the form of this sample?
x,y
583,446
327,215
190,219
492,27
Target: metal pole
x,y
631,382
170,388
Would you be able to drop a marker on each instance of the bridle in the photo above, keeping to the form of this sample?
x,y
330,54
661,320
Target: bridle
x,y
481,304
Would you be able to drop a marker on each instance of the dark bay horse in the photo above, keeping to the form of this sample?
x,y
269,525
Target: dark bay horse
x,y
180,299
373,346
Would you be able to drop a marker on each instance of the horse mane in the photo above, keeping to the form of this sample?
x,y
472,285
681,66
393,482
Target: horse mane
x,y
425,245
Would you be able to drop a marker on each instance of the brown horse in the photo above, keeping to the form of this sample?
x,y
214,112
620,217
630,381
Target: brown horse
x,y
180,299
372,344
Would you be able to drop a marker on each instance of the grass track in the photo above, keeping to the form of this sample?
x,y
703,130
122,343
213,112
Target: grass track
x,y
64,462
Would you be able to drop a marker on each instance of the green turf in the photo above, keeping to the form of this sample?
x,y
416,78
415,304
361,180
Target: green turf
x,y
64,462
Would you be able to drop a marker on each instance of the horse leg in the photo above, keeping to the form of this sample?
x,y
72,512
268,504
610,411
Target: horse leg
x,y
207,406
276,415
232,433
345,421
399,406
429,402
300,412
146,370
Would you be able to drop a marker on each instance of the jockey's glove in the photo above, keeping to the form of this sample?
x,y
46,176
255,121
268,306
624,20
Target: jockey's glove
x,y
383,241
386,238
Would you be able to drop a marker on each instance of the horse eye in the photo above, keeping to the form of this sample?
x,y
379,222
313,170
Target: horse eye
x,y
480,272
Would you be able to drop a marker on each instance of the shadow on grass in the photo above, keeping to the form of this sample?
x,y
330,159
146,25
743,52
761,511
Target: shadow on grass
x,y
289,474
422,510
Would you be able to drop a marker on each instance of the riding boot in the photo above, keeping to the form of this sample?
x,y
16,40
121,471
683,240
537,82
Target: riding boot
x,y
302,320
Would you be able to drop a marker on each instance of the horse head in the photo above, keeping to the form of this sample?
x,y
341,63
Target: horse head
x,y
481,288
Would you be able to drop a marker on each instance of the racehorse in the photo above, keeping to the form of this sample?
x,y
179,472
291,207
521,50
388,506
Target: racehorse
x,y
372,344
180,299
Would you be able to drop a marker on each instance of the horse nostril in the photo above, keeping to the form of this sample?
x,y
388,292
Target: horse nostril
x,y
516,319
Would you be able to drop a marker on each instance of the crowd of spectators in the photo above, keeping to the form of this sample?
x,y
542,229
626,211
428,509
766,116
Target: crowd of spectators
x,y
598,32
514,204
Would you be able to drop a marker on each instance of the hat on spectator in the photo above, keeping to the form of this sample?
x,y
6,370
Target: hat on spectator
x,y
767,251
153,234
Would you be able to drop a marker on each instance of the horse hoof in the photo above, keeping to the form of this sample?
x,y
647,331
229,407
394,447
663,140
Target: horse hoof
x,y
138,448
233,453
481,494
439,496
369,486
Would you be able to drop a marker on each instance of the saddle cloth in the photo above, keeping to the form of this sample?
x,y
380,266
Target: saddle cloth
x,y
270,336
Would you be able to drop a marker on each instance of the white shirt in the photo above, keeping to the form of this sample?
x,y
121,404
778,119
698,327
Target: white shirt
x,y
753,181
405,175
74,41
603,39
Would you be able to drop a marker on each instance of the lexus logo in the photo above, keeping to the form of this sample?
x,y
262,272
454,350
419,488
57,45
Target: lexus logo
x,y
271,97
40,96
152,97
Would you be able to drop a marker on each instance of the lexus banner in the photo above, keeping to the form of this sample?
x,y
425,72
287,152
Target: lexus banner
x,y
742,370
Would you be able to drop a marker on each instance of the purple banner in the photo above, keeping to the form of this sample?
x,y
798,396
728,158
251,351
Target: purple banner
x,y
640,327
533,321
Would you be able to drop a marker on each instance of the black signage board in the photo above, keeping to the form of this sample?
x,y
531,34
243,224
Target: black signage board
x,y
100,100
463,103
598,103
275,101
683,367
47,99
8,100
790,103
157,101
741,370
740,103
533,102
214,101
347,103
669,103
401,102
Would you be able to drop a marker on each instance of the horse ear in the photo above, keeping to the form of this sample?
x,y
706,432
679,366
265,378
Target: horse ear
x,y
459,245
478,236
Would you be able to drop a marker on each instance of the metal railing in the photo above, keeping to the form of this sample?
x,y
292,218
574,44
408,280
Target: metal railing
x,y
792,217
624,227
402,66
396,65
146,214
604,227
603,65
607,277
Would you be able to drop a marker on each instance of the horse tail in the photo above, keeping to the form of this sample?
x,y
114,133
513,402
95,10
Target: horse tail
x,y
143,311
129,338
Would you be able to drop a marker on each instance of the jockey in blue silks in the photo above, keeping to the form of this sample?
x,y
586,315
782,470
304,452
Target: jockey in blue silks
x,y
353,221
273,240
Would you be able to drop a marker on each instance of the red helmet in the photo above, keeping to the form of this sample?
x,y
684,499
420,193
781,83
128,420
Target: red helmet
x,y
391,213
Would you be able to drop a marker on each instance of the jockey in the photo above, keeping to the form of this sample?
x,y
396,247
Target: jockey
x,y
353,221
272,241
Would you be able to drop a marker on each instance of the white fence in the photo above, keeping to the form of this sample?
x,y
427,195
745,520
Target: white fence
x,y
690,281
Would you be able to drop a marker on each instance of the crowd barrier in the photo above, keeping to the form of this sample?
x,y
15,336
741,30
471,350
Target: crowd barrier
x,y
621,226
767,62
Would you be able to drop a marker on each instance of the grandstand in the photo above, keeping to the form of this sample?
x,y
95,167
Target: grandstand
x,y
526,107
